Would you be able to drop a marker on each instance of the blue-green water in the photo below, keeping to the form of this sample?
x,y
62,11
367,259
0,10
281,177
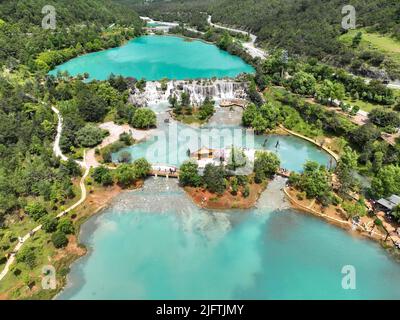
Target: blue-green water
x,y
154,244
155,24
158,57
171,145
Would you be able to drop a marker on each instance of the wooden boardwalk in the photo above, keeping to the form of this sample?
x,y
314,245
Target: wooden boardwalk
x,y
161,173
164,171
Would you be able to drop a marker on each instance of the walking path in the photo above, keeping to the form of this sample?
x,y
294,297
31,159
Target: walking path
x,y
58,153
249,46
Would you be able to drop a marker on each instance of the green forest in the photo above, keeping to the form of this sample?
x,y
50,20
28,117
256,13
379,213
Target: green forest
x,y
81,27
28,168
309,28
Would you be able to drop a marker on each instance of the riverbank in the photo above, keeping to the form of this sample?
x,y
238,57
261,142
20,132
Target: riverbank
x,y
335,215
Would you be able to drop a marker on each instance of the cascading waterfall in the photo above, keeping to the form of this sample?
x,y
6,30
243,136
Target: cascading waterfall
x,y
199,90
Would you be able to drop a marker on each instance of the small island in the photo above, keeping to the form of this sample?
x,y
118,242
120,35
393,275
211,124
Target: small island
x,y
227,178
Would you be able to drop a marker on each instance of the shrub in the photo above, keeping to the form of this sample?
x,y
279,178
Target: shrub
x,y
214,178
189,175
103,176
36,210
106,153
125,157
59,239
142,167
90,136
126,175
49,224
246,191
65,226
144,119
242,180
234,186
265,165
27,256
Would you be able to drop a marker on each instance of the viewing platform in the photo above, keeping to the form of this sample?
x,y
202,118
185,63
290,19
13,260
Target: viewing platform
x,y
164,171
284,173
233,103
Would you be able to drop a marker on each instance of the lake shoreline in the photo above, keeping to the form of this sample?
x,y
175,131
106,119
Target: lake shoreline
x,y
235,59
355,231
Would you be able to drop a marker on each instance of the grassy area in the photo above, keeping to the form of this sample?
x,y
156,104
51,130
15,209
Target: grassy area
x,y
383,43
364,105
22,281
375,42
191,118
293,119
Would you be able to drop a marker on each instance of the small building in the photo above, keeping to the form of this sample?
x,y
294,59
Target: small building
x,y
387,205
203,153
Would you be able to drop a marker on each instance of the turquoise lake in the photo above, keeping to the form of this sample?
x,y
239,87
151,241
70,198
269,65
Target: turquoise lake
x,y
158,57
292,151
154,243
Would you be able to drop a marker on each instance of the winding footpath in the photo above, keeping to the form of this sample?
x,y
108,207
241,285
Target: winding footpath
x,y
249,46
58,153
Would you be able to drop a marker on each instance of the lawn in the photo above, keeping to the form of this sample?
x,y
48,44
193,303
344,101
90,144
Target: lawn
x,y
364,105
384,44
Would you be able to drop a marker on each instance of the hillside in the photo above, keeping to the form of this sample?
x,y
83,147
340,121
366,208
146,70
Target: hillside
x,y
309,28
81,26
27,167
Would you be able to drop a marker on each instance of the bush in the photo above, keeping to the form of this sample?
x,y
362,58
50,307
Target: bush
x,y
102,175
214,178
59,239
106,153
126,175
142,167
246,191
188,174
36,210
90,136
126,138
125,157
144,119
49,224
27,256
65,226
265,165
234,186
242,180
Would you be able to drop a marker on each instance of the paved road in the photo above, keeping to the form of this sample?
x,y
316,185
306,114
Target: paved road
x,y
249,46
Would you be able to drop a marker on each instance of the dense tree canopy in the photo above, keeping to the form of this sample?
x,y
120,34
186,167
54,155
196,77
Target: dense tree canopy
x,y
314,181
386,182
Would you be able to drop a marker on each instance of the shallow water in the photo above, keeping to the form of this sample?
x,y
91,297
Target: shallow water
x,y
171,143
158,57
155,244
